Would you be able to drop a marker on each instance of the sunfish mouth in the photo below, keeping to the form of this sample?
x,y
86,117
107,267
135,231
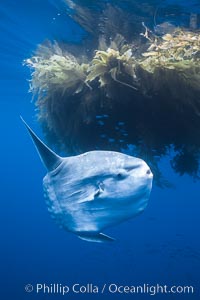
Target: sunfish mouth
x,y
149,173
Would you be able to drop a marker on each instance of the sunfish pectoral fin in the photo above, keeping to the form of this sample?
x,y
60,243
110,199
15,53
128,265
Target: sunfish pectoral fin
x,y
90,198
50,159
97,238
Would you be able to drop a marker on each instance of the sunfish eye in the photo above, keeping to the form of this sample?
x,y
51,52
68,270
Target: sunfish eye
x,y
121,176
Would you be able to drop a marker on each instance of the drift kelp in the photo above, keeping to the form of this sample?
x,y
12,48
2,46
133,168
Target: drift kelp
x,y
174,61
149,82
111,63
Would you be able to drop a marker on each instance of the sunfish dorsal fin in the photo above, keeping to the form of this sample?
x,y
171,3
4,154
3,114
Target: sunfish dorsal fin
x,y
50,159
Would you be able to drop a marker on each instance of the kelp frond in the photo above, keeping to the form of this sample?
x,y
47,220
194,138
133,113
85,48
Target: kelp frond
x,y
54,69
115,61
172,60
180,46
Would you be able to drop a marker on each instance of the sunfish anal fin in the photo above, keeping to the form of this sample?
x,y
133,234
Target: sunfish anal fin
x,y
96,238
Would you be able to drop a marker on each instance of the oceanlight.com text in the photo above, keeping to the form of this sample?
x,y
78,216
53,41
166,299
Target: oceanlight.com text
x,y
111,288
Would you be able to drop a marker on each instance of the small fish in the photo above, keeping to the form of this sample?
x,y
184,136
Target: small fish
x,y
164,28
90,192
193,21
101,123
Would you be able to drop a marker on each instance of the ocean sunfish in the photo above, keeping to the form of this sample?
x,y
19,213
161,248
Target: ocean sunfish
x,y
90,192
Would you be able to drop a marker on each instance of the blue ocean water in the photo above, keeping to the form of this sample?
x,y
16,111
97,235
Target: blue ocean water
x,y
162,246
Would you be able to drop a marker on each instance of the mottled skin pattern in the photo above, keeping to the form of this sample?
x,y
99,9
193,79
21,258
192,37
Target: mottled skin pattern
x,y
98,189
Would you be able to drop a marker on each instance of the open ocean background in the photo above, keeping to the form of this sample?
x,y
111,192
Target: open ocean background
x,y
160,246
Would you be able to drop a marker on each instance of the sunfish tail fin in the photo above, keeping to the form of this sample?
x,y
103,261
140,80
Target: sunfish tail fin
x,y
50,159
97,238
